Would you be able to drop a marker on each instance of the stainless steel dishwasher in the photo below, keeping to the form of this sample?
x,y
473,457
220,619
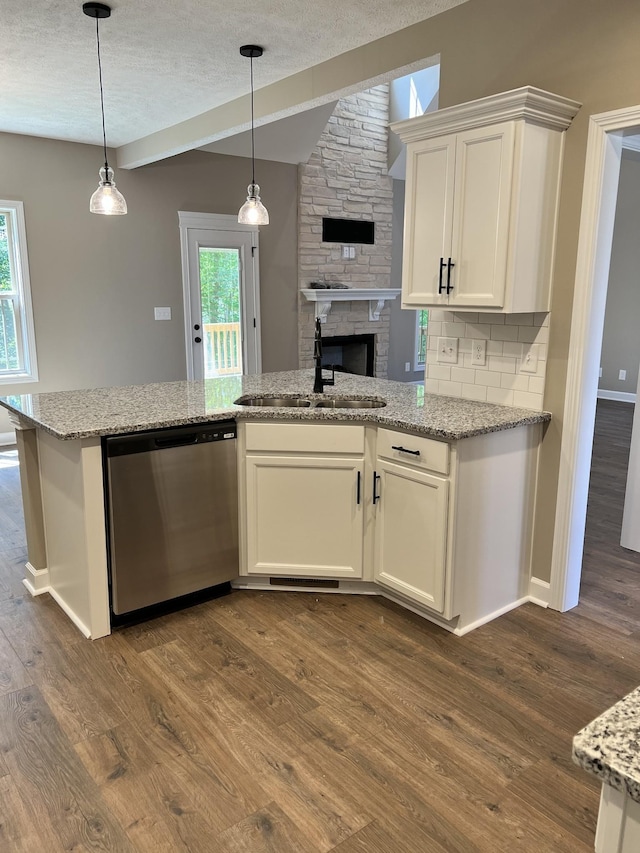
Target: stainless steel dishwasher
x,y
172,499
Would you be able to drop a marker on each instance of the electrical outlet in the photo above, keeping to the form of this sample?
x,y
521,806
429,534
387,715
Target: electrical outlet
x,y
530,360
348,253
479,352
448,350
622,375
162,313
407,367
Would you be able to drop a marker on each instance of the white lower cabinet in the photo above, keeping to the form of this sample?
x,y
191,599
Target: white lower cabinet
x,y
304,508
441,527
411,533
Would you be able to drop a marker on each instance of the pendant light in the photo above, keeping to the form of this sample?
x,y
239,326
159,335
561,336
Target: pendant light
x,y
107,199
253,211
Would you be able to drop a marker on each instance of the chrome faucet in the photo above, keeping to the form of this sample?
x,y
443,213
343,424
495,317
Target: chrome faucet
x,y
319,381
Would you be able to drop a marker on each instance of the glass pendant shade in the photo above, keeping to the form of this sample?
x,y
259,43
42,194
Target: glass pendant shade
x,y
107,199
253,211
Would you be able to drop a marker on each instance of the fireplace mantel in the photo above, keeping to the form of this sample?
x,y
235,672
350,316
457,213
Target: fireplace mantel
x,y
324,297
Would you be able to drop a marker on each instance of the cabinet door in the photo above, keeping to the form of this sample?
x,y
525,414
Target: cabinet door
x,y
304,516
481,211
428,213
411,533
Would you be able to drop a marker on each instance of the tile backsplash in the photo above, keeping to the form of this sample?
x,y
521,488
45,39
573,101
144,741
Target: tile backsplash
x,y
511,339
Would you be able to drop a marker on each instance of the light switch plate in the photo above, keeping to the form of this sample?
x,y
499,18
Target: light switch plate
x,y
162,313
530,360
448,350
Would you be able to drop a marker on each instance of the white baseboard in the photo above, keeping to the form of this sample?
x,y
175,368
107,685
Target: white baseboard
x,y
36,580
465,629
7,438
619,396
70,613
539,592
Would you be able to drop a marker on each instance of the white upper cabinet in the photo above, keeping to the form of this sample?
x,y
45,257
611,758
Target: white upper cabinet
x,y
481,202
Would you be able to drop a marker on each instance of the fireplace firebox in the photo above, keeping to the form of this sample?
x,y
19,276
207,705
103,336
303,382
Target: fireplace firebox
x,y
350,354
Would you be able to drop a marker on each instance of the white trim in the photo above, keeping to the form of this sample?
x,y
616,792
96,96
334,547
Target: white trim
x,y
23,284
602,168
507,608
539,592
534,105
619,396
215,221
36,580
7,438
70,613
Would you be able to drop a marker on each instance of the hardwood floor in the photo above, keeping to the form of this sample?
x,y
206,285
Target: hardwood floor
x,y
294,723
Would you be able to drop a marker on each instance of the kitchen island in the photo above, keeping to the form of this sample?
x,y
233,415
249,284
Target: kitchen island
x,y
609,748
475,481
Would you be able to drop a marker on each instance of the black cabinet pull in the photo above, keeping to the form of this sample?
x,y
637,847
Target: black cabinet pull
x,y
440,284
404,450
450,265
376,496
197,327
198,340
358,488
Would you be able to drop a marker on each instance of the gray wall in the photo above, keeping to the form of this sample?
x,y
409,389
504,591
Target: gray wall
x,y
403,322
621,340
96,279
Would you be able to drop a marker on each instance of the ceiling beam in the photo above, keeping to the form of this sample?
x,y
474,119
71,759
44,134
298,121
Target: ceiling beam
x,y
374,63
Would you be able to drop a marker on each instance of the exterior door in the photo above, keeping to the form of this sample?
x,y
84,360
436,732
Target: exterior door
x,y
221,296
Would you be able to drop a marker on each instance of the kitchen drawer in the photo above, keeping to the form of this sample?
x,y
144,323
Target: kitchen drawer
x,y
428,453
305,438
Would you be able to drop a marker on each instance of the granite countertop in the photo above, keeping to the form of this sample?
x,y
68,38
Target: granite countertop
x,y
110,411
609,746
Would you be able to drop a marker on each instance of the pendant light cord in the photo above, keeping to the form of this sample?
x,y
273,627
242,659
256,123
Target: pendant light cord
x,y
253,162
104,132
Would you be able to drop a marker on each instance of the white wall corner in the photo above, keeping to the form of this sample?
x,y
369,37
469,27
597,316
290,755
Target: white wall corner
x,y
539,592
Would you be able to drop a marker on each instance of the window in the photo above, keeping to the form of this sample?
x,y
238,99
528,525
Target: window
x,y
17,342
422,321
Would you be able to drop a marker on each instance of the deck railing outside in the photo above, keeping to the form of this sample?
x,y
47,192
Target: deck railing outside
x,y
222,349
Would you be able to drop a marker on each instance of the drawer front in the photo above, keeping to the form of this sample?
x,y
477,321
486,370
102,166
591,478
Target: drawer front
x,y
305,438
427,452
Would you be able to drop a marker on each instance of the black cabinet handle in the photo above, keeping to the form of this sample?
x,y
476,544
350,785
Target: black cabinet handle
x,y
358,488
450,265
197,327
376,496
404,450
440,284
198,340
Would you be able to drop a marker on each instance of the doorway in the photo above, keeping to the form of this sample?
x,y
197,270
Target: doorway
x,y
221,296
607,132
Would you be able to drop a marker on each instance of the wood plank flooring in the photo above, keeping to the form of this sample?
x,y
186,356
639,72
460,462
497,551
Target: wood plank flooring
x,y
293,723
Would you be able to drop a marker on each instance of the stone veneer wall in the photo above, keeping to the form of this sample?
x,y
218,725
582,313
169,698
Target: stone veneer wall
x,y
501,380
346,178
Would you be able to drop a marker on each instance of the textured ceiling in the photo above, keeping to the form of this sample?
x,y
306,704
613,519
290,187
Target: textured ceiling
x,y
166,61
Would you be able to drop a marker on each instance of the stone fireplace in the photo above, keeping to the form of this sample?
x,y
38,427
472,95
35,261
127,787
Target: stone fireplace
x,y
346,178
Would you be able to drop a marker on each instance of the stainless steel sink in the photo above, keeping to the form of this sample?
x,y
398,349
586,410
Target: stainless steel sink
x,y
303,402
349,403
280,402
